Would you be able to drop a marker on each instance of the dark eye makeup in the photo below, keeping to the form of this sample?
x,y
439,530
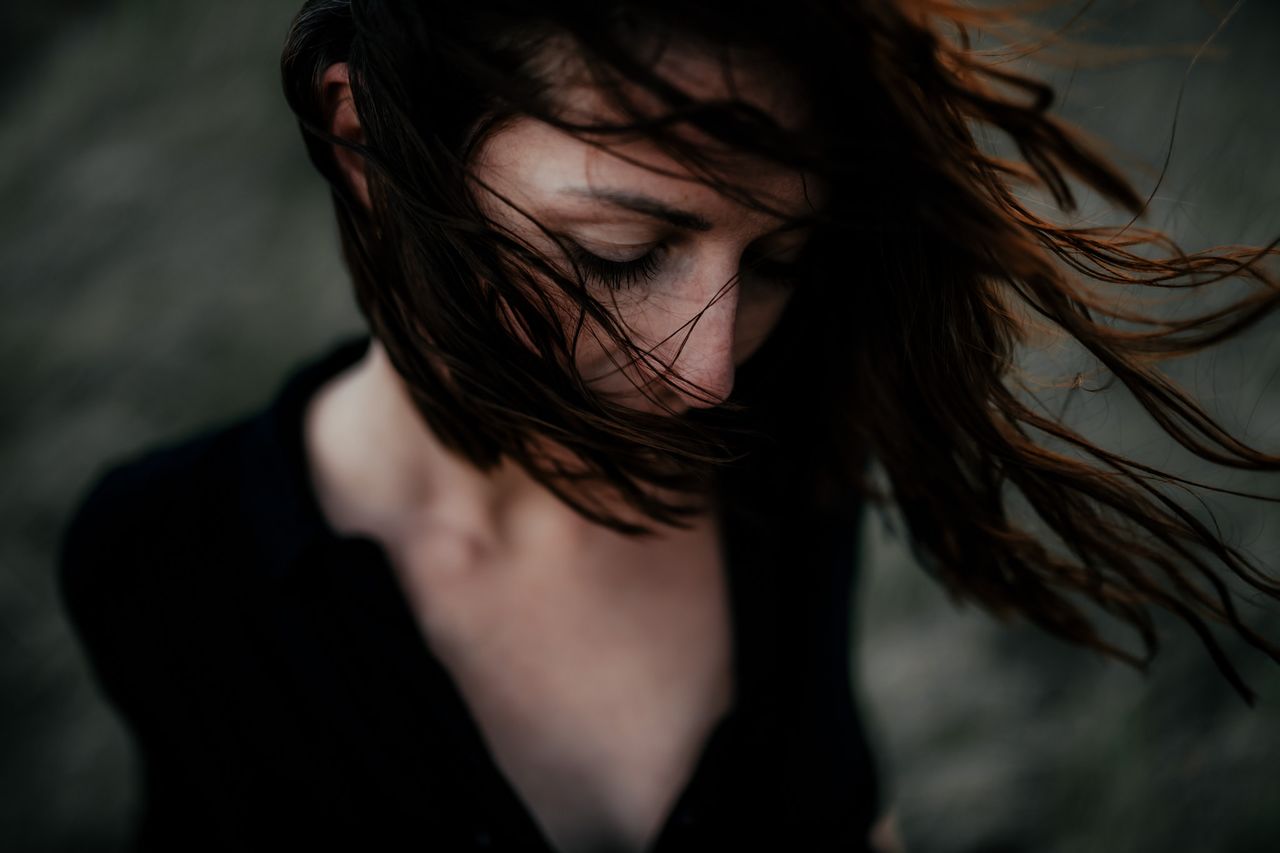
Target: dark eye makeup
x,y
620,275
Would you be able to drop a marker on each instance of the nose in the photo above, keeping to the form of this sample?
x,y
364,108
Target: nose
x,y
700,349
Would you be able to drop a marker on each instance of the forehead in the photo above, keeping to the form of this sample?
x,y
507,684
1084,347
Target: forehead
x,y
529,157
716,73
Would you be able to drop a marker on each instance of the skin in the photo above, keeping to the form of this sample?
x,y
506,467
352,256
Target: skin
x,y
699,331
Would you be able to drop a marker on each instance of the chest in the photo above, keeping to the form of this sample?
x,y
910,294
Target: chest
x,y
595,672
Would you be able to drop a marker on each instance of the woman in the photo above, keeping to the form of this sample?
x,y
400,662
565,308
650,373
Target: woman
x,y
559,556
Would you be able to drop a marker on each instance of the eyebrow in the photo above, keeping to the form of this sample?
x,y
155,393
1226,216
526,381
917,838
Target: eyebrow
x,y
646,205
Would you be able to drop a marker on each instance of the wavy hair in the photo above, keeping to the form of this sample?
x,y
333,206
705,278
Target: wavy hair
x,y
925,273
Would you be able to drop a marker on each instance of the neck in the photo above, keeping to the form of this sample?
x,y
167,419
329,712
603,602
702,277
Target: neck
x,y
387,474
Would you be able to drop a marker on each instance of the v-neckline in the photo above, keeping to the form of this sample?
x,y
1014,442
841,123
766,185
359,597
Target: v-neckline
x,y
403,631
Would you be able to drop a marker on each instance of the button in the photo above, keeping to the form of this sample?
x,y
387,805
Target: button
x,y
483,839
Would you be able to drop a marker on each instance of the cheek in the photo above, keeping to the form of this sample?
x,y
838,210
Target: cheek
x,y
608,369
758,313
592,361
597,360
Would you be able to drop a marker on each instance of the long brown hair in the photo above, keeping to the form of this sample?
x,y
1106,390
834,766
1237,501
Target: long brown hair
x,y
925,273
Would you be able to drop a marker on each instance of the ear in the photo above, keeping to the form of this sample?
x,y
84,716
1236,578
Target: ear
x,y
340,113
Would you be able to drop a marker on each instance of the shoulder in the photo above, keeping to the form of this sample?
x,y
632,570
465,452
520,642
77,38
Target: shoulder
x,y
192,516
135,503
113,575
121,549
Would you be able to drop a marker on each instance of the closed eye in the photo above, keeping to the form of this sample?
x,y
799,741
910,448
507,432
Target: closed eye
x,y
617,275
620,275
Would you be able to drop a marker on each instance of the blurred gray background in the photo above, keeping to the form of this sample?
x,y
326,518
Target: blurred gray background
x,y
167,255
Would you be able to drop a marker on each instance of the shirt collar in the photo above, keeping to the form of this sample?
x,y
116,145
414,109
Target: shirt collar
x,y
278,495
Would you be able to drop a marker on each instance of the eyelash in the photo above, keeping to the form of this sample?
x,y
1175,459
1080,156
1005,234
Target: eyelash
x,y
620,275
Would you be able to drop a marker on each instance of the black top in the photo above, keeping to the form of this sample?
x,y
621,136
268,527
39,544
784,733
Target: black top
x,y
281,695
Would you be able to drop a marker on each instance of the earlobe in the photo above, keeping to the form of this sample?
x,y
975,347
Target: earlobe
x,y
340,112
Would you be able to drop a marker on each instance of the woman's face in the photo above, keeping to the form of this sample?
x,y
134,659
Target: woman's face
x,y
658,249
